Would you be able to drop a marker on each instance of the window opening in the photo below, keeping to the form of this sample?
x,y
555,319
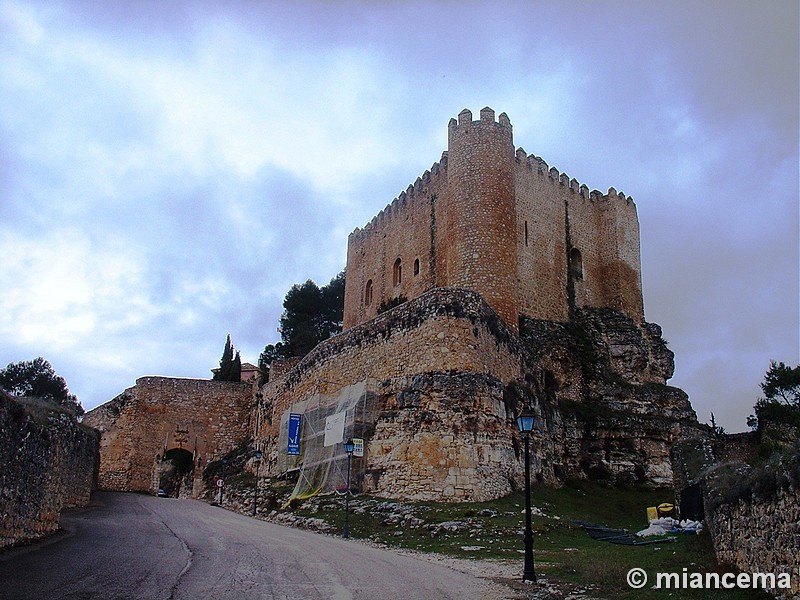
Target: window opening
x,y
576,263
397,272
368,293
416,267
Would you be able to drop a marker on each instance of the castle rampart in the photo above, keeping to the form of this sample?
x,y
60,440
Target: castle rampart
x,y
447,376
503,223
446,329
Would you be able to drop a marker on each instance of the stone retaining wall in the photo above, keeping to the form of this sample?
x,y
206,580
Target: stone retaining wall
x,y
449,377
760,536
49,462
445,330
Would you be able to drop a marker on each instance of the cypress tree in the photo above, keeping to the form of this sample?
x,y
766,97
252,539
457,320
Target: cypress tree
x,y
230,365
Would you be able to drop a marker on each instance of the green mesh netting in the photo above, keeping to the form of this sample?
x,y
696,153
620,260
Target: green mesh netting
x,y
348,412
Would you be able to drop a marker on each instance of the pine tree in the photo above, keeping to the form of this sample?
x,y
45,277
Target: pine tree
x,y
311,314
36,378
781,402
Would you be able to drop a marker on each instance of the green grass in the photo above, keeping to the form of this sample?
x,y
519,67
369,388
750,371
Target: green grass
x,y
563,552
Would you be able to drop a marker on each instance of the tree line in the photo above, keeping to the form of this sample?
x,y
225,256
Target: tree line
x,y
37,379
311,314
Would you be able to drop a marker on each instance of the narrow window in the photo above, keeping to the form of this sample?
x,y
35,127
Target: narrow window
x,y
368,293
416,267
576,263
397,272
526,233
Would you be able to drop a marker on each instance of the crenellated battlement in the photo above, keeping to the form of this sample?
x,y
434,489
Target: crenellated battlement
x,y
418,189
493,219
486,124
540,167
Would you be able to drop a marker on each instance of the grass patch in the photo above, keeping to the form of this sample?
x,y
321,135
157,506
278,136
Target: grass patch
x,y
563,552
42,410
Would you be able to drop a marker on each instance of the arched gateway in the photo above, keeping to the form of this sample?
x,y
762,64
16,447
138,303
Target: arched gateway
x,y
161,433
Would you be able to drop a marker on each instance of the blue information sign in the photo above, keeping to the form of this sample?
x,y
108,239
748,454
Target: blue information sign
x,y
294,434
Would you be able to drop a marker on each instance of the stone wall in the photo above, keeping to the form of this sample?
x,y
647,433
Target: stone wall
x,y
159,414
558,216
446,329
736,447
501,223
752,502
49,463
760,536
477,247
372,254
450,377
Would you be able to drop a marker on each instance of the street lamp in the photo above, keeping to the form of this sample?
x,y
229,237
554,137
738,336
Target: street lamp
x,y
257,456
525,425
349,446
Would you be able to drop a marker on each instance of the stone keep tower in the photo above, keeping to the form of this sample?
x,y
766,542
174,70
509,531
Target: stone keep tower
x,y
479,223
530,240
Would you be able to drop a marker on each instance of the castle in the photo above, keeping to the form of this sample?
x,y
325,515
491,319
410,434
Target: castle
x,y
491,285
530,240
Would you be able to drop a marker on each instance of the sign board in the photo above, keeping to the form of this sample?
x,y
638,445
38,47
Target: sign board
x,y
293,446
258,454
220,482
358,446
334,429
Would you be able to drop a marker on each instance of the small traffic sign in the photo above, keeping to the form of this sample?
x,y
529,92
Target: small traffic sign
x,y
220,482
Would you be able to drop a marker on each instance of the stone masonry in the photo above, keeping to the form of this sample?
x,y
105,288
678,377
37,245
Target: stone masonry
x,y
450,376
49,463
160,415
738,530
527,238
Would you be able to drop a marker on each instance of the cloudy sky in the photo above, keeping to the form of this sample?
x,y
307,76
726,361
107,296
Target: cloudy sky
x,y
169,170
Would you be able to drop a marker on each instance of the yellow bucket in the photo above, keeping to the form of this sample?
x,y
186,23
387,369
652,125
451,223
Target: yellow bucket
x,y
665,509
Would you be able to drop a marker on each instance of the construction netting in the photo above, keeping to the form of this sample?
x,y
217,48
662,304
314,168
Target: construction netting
x,y
312,443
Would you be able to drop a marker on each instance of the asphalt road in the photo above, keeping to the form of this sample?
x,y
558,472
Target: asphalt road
x,y
137,546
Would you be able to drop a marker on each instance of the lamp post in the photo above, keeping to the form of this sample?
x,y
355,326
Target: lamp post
x,y
257,456
525,425
349,446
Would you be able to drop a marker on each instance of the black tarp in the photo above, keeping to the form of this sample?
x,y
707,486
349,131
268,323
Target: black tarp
x,y
691,503
619,536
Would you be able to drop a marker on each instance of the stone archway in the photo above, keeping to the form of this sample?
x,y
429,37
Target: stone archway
x,y
158,416
176,473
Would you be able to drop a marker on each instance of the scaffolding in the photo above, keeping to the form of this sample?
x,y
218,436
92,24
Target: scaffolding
x,y
327,420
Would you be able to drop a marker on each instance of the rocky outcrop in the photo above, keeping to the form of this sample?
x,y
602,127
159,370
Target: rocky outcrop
x,y
49,464
454,436
599,384
447,378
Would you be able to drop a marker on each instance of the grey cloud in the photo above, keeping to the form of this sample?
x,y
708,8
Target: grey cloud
x,y
689,107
